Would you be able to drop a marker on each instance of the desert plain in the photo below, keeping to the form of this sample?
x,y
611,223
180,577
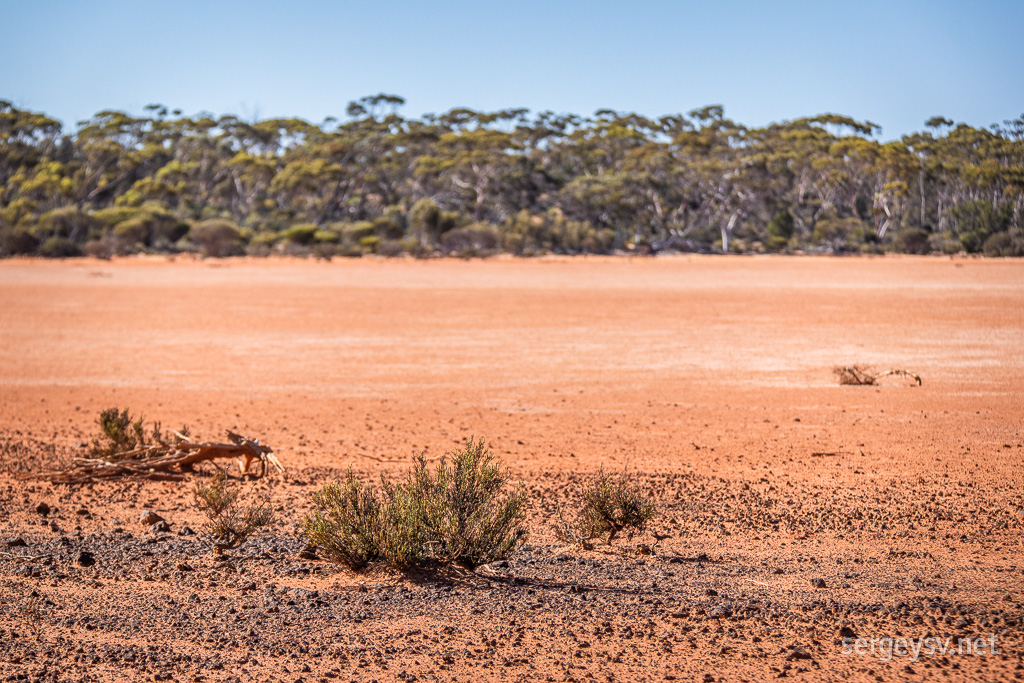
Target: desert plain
x,y
798,512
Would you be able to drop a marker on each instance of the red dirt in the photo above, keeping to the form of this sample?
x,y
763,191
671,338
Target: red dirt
x,y
710,377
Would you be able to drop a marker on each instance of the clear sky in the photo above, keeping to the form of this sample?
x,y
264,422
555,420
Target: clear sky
x,y
894,62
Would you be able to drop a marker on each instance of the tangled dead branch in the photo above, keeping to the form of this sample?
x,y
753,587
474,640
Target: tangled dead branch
x,y
857,375
167,460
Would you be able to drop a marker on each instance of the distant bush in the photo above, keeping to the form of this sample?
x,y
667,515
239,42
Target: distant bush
x,y
17,240
303,233
459,513
1004,244
610,505
217,237
912,241
780,231
472,240
68,222
59,247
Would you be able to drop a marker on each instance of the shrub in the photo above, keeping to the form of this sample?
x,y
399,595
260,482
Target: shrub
x,y
912,241
303,233
471,240
227,521
780,231
217,237
459,513
17,240
59,247
67,221
120,432
1004,244
611,505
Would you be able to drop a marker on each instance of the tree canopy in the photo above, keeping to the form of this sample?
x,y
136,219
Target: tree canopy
x,y
478,182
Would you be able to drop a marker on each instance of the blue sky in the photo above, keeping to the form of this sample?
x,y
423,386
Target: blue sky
x,y
896,63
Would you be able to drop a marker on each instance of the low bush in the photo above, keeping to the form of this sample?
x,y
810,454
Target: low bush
x,y
227,521
457,513
610,505
120,432
59,247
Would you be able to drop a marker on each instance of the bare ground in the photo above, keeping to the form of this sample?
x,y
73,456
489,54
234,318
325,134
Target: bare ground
x,y
796,507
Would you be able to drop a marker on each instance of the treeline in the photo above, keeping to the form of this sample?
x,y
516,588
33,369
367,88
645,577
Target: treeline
x,y
475,183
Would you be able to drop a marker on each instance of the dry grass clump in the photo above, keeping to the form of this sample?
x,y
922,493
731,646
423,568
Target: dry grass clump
x,y
32,609
610,505
228,522
457,513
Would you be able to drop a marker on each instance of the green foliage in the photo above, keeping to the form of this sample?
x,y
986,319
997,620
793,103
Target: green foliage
x,y
610,505
67,222
459,513
120,433
228,522
471,183
780,231
59,247
977,220
303,233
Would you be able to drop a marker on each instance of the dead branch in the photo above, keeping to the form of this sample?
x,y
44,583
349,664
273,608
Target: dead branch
x,y
856,375
167,461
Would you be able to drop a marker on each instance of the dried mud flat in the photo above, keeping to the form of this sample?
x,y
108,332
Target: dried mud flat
x,y
797,508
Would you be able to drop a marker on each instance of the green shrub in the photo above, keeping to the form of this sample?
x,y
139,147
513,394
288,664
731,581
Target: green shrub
x,y
780,231
59,247
610,505
119,433
459,513
68,222
303,233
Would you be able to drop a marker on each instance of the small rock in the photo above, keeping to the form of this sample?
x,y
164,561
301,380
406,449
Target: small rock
x,y
777,571
85,559
149,518
28,570
711,592
847,632
722,611
184,567
797,653
308,552
186,531
818,583
160,526
17,542
43,509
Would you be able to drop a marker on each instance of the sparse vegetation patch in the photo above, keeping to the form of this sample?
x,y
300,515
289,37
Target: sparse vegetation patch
x,y
458,513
